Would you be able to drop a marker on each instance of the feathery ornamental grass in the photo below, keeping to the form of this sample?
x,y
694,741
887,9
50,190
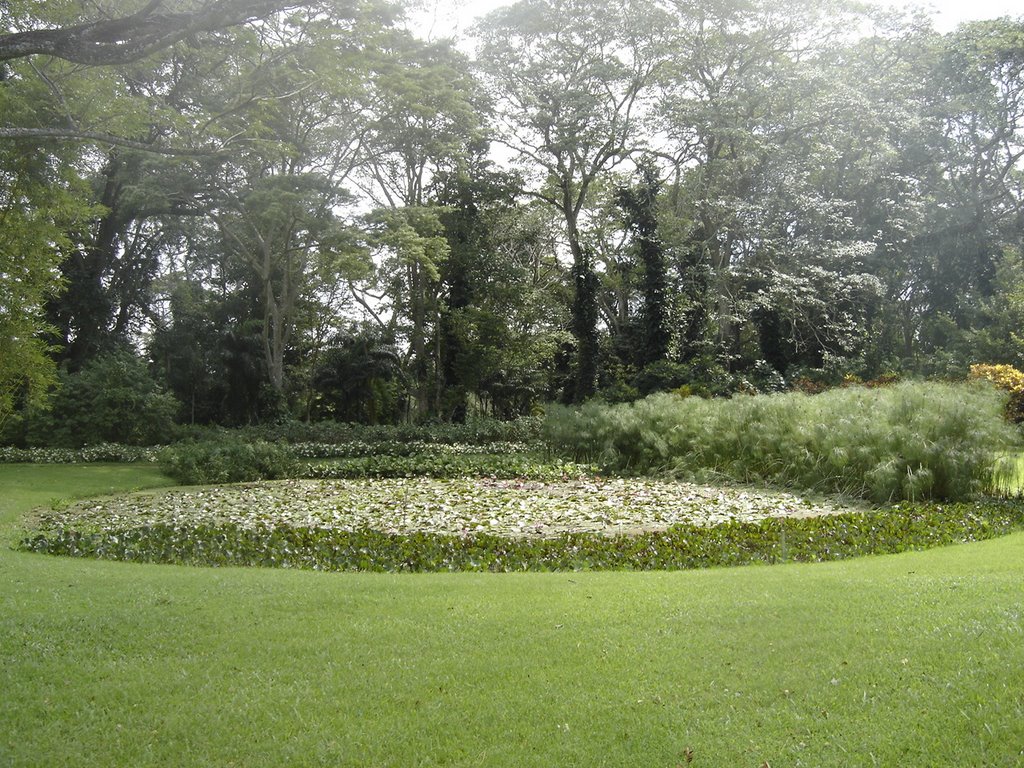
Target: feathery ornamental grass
x,y
912,441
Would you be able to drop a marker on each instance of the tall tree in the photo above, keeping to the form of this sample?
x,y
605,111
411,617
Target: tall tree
x,y
570,79
425,117
42,199
640,204
296,97
494,341
928,168
747,114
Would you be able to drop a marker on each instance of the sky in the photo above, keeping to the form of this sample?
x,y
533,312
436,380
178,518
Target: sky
x,y
953,12
452,18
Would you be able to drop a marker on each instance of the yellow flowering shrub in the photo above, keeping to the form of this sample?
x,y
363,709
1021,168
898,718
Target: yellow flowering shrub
x,y
1003,376
1007,378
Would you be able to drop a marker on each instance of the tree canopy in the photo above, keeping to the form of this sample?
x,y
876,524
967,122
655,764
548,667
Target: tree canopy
x,y
303,209
156,25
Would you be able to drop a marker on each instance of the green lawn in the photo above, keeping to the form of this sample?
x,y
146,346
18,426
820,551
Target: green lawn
x,y
910,660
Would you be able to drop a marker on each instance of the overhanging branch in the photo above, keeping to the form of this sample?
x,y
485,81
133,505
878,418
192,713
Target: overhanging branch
x,y
133,37
47,134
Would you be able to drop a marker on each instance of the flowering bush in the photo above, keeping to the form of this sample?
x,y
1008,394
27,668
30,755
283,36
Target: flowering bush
x,y
1008,379
1005,377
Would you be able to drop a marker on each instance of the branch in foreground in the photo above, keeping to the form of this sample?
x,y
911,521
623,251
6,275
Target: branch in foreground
x,y
102,138
133,37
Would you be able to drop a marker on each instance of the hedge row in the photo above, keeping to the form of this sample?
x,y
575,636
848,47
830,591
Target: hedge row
x,y
500,466
476,431
115,453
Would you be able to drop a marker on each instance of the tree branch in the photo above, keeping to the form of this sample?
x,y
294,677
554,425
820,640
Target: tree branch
x,y
101,138
130,38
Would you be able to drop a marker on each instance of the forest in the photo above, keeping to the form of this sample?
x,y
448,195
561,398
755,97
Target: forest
x,y
229,212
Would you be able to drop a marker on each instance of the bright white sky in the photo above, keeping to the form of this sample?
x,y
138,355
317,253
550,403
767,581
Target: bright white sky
x,y
452,18
953,12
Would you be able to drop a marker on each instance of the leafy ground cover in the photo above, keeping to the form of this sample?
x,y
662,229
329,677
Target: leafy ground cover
x,y
502,466
915,659
775,540
429,524
446,506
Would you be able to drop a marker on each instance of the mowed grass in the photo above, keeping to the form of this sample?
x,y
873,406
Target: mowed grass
x,y
910,660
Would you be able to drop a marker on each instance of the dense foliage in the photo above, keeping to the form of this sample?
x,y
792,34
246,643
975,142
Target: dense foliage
x,y
301,217
911,441
1008,379
734,543
227,461
112,399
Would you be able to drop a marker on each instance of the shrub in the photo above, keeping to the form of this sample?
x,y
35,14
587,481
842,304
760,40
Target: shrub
x,y
104,452
449,465
227,461
1008,379
906,442
113,399
474,431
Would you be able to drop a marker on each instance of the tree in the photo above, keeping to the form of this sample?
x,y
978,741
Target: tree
x,y
411,248
158,94
296,95
155,26
640,205
781,128
495,341
360,379
278,228
975,113
114,43
112,399
41,201
185,354
425,117
569,79
930,155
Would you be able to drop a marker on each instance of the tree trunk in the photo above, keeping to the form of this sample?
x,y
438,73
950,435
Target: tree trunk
x,y
583,315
